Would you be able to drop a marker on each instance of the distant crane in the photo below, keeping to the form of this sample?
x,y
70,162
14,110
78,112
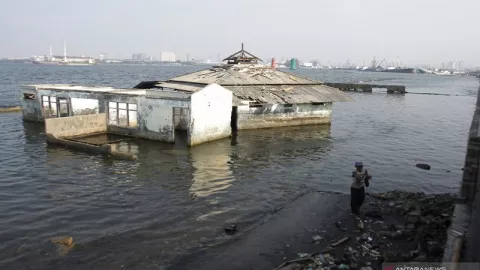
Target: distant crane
x,y
383,61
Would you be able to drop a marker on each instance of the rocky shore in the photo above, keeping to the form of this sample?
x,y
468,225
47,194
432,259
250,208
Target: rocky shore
x,y
394,227
317,231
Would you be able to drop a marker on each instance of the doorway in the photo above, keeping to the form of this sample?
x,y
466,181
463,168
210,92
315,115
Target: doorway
x,y
234,120
180,125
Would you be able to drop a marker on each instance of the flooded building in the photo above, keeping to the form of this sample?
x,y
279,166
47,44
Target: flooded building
x,y
69,111
206,105
263,97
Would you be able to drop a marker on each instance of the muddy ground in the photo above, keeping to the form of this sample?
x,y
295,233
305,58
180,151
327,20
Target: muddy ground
x,y
317,231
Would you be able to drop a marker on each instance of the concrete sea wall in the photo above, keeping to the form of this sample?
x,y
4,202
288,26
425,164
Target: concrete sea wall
x,y
470,187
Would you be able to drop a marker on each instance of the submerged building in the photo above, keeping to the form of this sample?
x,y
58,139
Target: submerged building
x,y
210,104
263,97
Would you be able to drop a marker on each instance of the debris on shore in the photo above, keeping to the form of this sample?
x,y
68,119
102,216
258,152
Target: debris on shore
x,y
398,227
65,244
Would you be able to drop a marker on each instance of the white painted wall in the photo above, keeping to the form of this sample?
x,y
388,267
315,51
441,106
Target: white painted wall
x,y
210,114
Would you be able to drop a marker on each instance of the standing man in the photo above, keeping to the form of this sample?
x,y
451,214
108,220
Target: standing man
x,y
357,190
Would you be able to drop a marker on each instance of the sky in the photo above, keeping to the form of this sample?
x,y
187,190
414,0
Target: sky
x,y
412,31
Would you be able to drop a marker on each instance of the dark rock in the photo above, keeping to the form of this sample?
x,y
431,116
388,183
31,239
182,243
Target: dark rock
x,y
392,257
353,266
374,213
407,233
413,217
420,258
231,228
423,166
434,249
414,253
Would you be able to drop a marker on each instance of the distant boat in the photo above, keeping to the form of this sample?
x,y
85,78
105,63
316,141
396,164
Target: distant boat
x,y
400,70
64,61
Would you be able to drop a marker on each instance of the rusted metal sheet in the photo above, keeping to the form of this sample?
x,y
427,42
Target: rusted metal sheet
x,y
242,74
181,86
260,84
287,94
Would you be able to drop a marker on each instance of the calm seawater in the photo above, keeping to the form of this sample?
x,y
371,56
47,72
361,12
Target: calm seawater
x,y
175,200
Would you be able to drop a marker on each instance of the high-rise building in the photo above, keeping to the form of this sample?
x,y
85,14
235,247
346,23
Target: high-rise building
x,y
167,57
139,56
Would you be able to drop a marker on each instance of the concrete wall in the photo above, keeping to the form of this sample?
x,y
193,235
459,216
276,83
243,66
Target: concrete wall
x,y
279,115
210,114
470,187
76,125
32,108
156,118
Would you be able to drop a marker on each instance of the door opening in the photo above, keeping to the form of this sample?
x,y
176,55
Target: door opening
x,y
234,120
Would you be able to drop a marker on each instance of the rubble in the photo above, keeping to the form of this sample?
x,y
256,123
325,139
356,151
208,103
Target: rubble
x,y
413,228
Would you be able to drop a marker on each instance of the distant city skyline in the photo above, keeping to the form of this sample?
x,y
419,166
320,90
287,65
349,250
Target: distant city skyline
x,y
416,32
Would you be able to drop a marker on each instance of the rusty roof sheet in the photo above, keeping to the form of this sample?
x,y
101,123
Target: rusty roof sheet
x,y
287,94
242,74
181,86
259,83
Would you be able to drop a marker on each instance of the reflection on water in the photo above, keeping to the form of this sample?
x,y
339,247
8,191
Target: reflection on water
x,y
211,168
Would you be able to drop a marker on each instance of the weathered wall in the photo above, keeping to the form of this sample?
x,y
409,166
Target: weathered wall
x,y
278,115
32,108
210,113
76,125
156,118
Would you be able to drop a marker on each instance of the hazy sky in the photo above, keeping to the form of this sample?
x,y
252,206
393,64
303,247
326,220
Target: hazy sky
x,y
415,31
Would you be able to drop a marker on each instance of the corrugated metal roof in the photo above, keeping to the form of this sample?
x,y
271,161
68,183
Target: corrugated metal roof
x,y
181,86
259,83
287,94
242,74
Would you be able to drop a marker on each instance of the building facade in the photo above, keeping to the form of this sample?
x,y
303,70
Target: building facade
x,y
168,57
203,115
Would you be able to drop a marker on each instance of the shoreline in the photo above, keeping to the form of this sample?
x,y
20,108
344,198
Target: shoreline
x,y
398,226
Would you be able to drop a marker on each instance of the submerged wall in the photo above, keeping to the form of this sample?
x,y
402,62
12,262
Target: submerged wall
x,y
76,125
278,115
210,113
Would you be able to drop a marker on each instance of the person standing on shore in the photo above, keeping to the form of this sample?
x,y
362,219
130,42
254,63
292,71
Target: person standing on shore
x,y
357,190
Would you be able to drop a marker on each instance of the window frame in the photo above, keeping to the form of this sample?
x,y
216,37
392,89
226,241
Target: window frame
x,y
49,101
117,109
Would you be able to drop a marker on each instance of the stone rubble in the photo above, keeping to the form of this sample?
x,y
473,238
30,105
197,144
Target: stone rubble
x,y
401,227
